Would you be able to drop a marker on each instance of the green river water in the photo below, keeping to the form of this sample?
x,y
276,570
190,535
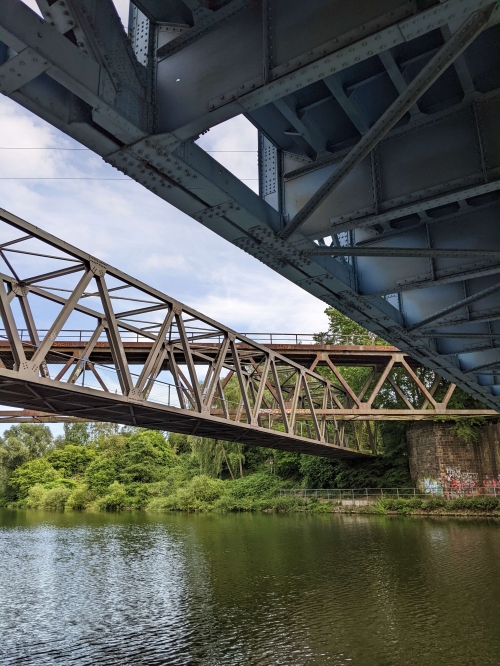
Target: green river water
x,y
237,589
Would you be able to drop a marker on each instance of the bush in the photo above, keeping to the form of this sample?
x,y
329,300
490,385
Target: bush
x,y
256,485
287,503
35,496
476,504
71,460
55,499
35,471
80,499
204,489
432,504
100,474
115,499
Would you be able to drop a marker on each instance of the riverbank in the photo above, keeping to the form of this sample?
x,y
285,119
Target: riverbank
x,y
207,496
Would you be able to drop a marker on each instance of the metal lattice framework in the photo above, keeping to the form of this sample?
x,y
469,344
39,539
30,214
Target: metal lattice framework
x,y
378,151
391,385
198,376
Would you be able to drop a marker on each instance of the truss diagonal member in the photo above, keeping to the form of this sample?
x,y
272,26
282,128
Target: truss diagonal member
x,y
419,383
115,342
381,381
422,82
31,326
155,351
400,392
61,319
9,324
77,370
189,360
311,406
241,381
262,386
279,396
341,379
432,390
456,306
451,389
174,371
216,370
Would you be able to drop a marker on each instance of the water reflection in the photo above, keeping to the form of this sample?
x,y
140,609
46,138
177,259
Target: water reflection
x,y
248,589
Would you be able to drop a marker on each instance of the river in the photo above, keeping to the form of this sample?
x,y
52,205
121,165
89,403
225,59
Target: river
x,y
248,589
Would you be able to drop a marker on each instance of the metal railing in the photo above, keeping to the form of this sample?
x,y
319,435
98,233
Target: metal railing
x,y
374,494
83,335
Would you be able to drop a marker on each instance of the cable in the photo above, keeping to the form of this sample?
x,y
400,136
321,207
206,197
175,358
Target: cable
x,y
127,180
88,149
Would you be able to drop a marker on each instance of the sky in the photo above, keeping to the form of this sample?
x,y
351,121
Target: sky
x,y
47,179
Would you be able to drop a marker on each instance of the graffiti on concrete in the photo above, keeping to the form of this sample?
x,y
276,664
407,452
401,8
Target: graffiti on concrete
x,y
492,482
432,487
459,483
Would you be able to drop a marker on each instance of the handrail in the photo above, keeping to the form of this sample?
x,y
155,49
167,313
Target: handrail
x,y
83,335
399,493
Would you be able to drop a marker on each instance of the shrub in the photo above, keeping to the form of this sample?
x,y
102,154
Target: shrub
x,y
204,489
114,500
147,454
100,474
35,496
80,499
71,460
476,503
33,472
256,485
55,499
287,503
432,504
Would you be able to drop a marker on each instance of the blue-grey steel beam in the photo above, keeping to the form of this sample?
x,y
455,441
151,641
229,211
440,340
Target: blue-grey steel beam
x,y
355,114
455,306
422,82
355,251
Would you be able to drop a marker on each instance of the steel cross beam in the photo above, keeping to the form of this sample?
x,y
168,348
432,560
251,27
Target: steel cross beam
x,y
246,409
422,82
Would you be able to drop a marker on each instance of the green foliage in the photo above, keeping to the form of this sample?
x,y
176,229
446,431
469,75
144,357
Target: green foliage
x,y
32,472
179,443
55,499
146,456
72,459
114,500
255,486
317,472
101,473
77,434
469,430
35,496
80,498
342,330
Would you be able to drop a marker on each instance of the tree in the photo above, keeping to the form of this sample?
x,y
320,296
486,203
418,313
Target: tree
x,y
147,455
71,460
77,434
24,442
30,473
342,330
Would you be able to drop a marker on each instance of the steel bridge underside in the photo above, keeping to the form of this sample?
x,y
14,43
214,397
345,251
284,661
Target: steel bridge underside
x,y
379,149
42,395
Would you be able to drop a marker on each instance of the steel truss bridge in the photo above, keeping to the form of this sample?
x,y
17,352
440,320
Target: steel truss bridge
x,y
141,358
379,148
